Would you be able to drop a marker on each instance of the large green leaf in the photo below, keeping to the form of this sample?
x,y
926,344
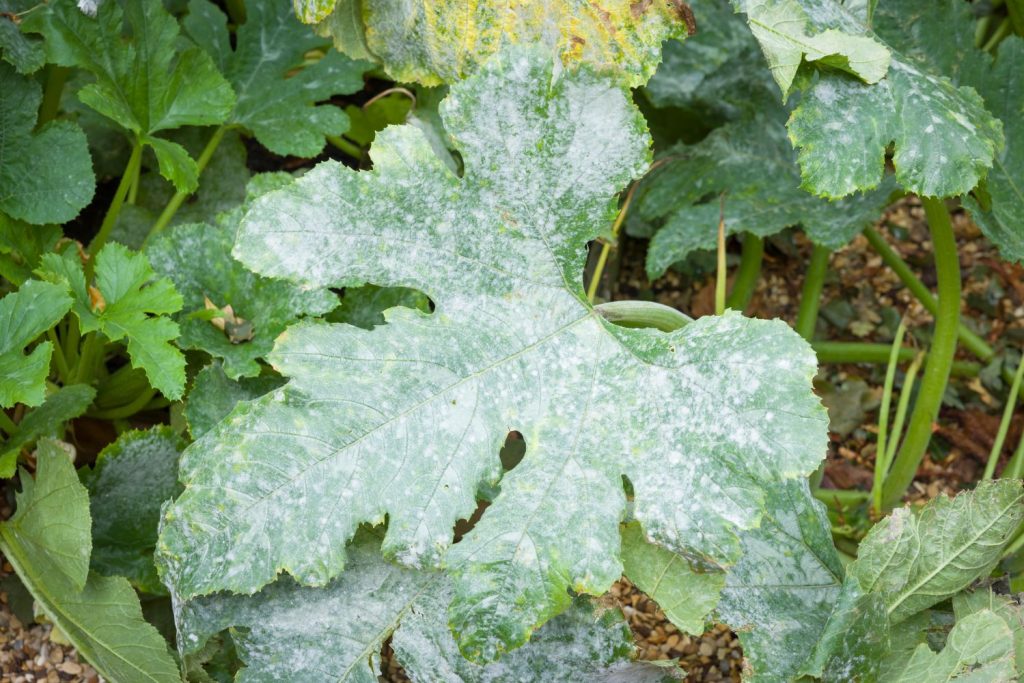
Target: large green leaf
x,y
45,176
127,302
339,629
406,420
131,480
779,597
47,542
24,315
24,52
1007,608
999,208
944,137
979,649
919,560
753,163
197,259
440,42
788,36
47,420
279,107
150,82
686,597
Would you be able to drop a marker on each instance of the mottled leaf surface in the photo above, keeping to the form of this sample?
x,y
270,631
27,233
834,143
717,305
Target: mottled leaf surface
x,y
25,315
130,481
407,419
855,639
197,258
276,104
753,163
213,395
918,560
944,137
979,649
441,42
149,82
134,307
47,542
335,633
779,596
47,420
686,597
22,51
788,36
46,175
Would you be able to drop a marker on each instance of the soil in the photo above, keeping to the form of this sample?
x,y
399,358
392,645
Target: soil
x,y
862,300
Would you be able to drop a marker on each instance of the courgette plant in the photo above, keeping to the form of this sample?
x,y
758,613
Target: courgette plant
x,y
306,378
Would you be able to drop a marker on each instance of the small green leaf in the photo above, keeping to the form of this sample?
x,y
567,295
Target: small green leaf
x,y
197,259
24,315
149,82
273,101
131,480
22,246
47,420
24,52
135,305
45,176
916,560
441,42
788,37
47,541
686,596
214,395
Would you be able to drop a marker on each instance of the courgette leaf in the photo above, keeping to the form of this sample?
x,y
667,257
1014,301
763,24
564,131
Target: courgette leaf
x,y
151,81
24,316
47,420
945,139
979,648
441,42
22,246
131,480
197,259
339,630
408,419
47,541
46,175
126,301
1008,608
23,52
273,101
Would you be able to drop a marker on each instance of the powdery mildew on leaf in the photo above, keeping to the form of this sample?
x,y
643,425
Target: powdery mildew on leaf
x,y
406,420
944,137
433,42
213,395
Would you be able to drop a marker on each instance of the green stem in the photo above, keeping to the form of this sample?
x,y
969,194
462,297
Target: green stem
x,y
345,146
1004,424
179,197
6,423
1001,32
747,274
901,409
883,415
720,275
877,354
1015,468
92,354
972,342
115,208
236,11
606,247
56,76
843,497
126,410
1015,8
940,356
810,297
58,356
643,314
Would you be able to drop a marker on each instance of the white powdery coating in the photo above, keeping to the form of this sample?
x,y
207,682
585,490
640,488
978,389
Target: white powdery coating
x,y
405,421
